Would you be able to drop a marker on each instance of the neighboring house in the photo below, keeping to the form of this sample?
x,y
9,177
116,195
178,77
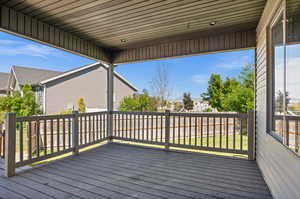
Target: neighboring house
x,y
58,91
3,83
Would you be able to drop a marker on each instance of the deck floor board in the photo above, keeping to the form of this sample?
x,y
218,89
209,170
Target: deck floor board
x,y
122,171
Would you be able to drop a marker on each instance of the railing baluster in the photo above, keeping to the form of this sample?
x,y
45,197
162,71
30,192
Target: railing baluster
x,y
234,133
45,137
184,129
241,134
207,131
227,133
29,141
130,126
201,131
174,128
297,136
156,132
214,132
51,136
147,119
143,124
161,128
221,134
151,127
57,135
196,130
69,133
64,133
190,130
85,129
21,142
38,138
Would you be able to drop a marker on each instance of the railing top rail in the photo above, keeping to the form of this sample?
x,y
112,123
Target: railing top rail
x,y
230,115
43,117
140,113
92,113
50,117
225,115
288,117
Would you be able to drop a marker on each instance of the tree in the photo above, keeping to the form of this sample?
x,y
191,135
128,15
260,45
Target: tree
x,y
279,101
81,105
178,106
231,94
160,84
139,102
214,94
22,104
188,102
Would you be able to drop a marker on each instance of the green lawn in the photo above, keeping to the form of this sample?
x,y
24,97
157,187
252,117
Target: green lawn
x,y
211,141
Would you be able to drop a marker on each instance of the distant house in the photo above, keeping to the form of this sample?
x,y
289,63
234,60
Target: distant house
x,y
3,83
58,91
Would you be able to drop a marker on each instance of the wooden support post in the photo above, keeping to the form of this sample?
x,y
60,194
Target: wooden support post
x,y
110,101
10,145
75,133
251,135
167,129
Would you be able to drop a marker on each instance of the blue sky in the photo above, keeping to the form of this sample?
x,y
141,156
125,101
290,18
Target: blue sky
x,y
187,74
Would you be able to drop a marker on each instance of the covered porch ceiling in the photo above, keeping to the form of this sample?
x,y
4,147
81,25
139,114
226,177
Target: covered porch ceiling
x,y
119,31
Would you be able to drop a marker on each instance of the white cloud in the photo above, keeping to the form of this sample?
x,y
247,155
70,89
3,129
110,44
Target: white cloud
x,y
200,78
13,48
233,62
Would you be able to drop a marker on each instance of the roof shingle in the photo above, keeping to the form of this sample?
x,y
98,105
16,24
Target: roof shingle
x,y
33,76
3,80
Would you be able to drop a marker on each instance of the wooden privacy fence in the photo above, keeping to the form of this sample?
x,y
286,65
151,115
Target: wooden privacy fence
x,y
35,138
223,132
287,128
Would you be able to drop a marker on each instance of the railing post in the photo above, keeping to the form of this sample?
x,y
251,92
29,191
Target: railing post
x,y
75,133
110,101
251,135
10,145
167,129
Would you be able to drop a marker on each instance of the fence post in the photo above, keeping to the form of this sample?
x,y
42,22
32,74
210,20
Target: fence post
x,y
10,145
167,129
251,135
75,134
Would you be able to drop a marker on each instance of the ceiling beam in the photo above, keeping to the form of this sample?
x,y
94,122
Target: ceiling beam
x,y
198,43
33,29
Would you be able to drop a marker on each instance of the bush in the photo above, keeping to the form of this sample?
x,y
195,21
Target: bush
x,y
81,105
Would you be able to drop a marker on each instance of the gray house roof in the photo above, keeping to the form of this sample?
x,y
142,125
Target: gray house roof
x,y
3,80
34,76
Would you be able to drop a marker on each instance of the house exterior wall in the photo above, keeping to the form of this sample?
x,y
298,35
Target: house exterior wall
x,y
279,165
91,84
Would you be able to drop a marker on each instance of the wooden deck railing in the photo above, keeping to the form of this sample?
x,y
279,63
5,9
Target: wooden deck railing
x,y
223,132
35,138
291,135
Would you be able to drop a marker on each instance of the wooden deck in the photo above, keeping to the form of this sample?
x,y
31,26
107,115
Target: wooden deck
x,y
122,171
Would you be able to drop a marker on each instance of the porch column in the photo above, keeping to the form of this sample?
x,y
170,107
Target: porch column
x,y
110,100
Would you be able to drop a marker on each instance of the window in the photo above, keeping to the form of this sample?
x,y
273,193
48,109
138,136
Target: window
x,y
284,37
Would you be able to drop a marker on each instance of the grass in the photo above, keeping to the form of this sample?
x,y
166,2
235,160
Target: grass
x,y
217,141
210,141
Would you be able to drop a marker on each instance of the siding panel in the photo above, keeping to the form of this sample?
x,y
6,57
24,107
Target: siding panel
x,y
280,167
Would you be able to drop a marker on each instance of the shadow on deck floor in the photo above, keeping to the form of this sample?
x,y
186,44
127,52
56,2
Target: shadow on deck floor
x,y
122,171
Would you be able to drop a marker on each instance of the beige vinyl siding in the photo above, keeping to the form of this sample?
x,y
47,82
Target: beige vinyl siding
x,y
90,84
280,166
